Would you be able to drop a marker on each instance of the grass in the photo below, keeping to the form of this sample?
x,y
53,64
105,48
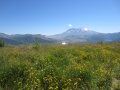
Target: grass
x,y
57,67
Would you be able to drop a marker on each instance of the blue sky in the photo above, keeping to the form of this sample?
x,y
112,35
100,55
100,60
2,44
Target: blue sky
x,y
48,17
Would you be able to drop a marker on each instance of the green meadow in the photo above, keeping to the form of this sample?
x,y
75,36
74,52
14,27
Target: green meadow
x,y
58,67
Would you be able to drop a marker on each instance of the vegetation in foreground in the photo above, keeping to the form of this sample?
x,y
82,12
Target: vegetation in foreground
x,y
57,67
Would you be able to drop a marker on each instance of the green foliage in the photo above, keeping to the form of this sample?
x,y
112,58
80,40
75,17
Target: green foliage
x,y
57,67
1,43
36,45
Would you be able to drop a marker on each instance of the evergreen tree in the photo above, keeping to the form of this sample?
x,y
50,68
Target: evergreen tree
x,y
1,43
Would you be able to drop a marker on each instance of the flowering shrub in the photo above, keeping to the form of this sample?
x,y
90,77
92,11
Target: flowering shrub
x,y
57,67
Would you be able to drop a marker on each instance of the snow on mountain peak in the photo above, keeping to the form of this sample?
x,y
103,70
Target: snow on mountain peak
x,y
85,29
77,30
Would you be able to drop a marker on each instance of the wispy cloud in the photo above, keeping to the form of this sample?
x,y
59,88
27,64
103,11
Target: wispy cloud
x,y
70,25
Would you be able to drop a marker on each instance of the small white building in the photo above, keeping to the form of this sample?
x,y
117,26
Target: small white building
x,y
64,43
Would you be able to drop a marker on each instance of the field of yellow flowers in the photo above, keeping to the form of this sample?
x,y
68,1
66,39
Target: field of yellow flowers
x,y
57,67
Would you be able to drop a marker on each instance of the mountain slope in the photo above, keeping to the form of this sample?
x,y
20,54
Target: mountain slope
x,y
12,42
85,35
28,38
18,39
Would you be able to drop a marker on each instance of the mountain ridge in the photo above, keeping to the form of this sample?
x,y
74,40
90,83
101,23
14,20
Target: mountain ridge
x,y
20,39
72,35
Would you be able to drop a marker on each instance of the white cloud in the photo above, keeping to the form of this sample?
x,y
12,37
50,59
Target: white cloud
x,y
70,25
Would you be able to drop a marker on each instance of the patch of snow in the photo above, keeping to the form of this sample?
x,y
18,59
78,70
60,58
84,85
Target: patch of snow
x,y
85,29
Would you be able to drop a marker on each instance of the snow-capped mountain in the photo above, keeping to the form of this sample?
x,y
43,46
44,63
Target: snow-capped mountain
x,y
79,31
75,32
85,35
